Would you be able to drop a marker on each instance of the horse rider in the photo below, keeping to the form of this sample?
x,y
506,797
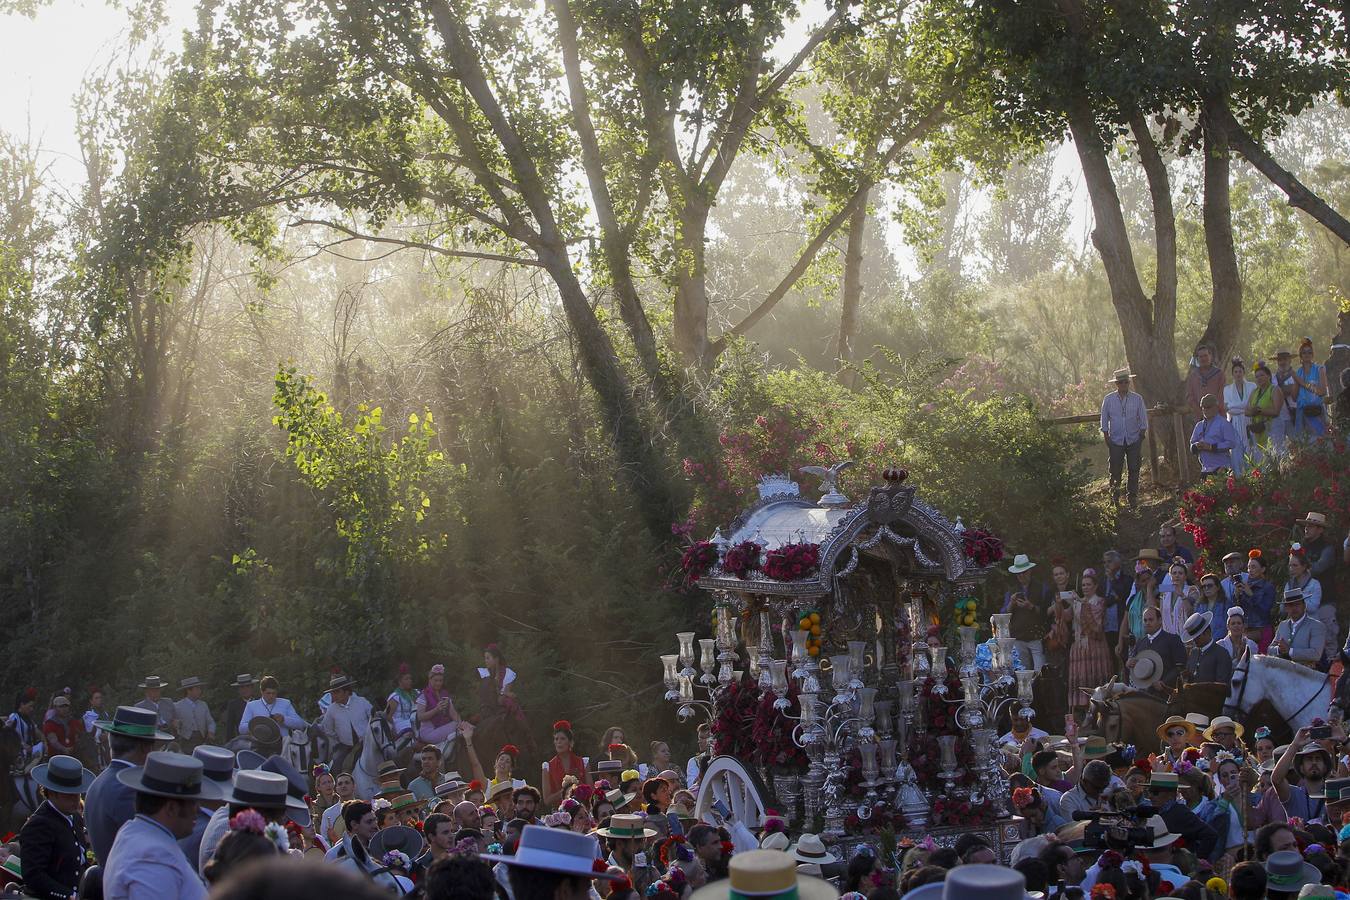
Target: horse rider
x,y
195,725
21,720
1207,662
161,706
345,721
1299,636
234,710
53,838
110,804
272,706
1167,645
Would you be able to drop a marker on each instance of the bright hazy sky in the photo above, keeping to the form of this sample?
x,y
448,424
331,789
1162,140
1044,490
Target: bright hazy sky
x,y
43,61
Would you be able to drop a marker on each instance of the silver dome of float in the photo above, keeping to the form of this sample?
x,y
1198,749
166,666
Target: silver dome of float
x,y
890,524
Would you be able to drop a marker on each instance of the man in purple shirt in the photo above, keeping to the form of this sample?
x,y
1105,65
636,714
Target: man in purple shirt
x,y
1213,439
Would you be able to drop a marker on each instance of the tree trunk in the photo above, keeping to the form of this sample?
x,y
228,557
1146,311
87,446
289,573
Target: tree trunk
x,y
1225,312
690,327
1149,349
852,292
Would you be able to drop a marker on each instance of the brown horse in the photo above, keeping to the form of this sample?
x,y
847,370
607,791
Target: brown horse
x,y
1122,714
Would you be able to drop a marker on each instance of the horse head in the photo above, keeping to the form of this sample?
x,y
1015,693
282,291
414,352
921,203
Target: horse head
x,y
1237,687
382,736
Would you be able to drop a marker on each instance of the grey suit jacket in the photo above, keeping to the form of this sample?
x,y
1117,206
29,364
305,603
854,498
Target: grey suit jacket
x,y
1308,641
108,806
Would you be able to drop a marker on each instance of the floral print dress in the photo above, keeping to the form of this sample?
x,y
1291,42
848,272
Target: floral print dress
x,y
1090,656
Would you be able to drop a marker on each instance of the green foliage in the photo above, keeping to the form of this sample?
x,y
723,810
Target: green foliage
x,y
950,441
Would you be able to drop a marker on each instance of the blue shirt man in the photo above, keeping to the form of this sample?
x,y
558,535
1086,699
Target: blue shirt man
x,y
1213,438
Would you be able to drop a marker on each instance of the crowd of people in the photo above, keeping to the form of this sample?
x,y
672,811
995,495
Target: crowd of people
x,y
1236,422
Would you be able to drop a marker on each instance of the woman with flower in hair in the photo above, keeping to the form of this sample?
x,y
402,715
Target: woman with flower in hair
x,y
502,766
436,716
565,768
250,837
501,720
1090,656
1301,578
1256,596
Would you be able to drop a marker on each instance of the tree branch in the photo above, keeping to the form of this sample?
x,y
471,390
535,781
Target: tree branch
x,y
1300,196
418,245
929,121
1164,225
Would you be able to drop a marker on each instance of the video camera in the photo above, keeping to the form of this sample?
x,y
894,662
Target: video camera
x,y
1117,829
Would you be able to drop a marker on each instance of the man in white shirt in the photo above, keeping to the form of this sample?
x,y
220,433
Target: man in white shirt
x,y
271,706
1124,422
1087,797
346,719
195,724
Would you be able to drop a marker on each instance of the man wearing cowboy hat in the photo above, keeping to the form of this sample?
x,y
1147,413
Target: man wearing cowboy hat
x,y
234,710
1180,821
110,804
53,839
1306,800
1320,554
146,860
162,706
1124,424
1207,662
1027,601
628,836
1299,636
345,721
1166,646
269,793
1158,850
551,864
195,725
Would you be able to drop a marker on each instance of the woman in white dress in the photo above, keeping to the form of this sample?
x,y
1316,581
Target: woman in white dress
x,y
1235,396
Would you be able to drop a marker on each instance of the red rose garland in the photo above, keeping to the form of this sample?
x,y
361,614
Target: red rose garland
x,y
791,562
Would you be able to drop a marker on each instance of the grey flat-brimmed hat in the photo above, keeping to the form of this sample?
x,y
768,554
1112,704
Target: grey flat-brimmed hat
x,y
153,681
64,775
248,759
1287,872
174,775
243,680
218,764
263,790
296,787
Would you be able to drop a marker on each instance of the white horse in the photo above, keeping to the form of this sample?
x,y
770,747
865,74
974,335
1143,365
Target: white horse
x,y
380,745
1298,693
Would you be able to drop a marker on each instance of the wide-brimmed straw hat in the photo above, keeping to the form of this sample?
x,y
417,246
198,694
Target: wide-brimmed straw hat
x,y
811,849
1175,722
243,680
1196,625
1120,375
153,681
1148,669
174,775
1223,722
64,775
775,840
767,875
554,850
1158,833
1021,563
136,722
1314,518
625,825
1149,554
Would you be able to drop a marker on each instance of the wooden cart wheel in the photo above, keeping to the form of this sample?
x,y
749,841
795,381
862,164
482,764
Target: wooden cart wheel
x,y
737,788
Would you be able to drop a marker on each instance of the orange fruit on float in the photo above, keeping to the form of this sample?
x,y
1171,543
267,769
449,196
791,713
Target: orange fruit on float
x,y
815,630
815,618
814,651
805,622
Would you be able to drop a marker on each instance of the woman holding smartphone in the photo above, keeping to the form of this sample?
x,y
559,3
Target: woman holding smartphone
x,y
1060,638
